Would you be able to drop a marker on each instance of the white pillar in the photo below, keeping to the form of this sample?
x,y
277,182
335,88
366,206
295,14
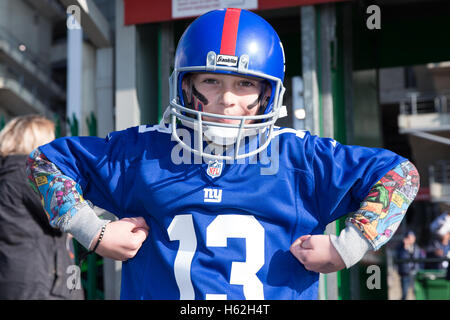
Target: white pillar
x,y
74,71
309,65
104,84
327,38
88,105
311,58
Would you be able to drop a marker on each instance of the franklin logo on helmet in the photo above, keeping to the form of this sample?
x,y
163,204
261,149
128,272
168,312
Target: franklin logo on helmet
x,y
231,61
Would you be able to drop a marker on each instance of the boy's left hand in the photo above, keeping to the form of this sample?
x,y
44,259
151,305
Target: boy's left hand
x,y
317,253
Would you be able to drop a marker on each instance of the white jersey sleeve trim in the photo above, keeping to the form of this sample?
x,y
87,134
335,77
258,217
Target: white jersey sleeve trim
x,y
298,133
157,127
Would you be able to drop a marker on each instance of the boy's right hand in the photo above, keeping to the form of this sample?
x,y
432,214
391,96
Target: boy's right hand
x,y
122,239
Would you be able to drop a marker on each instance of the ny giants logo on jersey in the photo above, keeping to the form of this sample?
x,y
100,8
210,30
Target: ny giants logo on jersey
x,y
212,195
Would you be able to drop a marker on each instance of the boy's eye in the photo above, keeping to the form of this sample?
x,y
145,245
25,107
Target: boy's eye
x,y
245,83
210,81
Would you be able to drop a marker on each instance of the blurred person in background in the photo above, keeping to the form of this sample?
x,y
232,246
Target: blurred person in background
x,y
440,246
441,225
408,249
33,255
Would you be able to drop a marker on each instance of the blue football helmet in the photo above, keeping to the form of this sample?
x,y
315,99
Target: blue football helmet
x,y
228,41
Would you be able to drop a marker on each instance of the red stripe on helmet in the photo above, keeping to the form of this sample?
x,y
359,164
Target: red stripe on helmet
x,y
229,32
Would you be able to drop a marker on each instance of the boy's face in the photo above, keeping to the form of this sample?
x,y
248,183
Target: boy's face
x,y
225,95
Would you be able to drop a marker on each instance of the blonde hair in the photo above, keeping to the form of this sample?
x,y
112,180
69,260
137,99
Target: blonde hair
x,y
23,134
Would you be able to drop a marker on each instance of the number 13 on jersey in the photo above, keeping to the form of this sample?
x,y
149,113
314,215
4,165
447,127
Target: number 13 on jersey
x,y
217,232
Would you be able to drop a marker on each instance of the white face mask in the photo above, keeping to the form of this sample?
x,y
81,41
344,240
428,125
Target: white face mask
x,y
216,133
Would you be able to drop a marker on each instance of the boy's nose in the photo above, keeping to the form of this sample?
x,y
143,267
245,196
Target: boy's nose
x,y
228,98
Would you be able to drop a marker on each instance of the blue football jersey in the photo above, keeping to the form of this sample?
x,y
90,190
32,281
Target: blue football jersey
x,y
220,230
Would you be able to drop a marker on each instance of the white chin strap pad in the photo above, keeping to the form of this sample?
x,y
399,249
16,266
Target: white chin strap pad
x,y
221,136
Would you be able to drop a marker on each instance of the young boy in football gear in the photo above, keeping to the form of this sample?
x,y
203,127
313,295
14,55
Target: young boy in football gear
x,y
217,200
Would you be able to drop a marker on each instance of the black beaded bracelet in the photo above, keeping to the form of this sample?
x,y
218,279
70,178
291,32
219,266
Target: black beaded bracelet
x,y
100,237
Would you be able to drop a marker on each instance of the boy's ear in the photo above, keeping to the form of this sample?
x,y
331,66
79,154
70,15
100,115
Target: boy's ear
x,y
186,89
268,91
185,84
266,97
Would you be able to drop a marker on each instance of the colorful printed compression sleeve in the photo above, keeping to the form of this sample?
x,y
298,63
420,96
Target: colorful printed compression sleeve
x,y
379,215
62,199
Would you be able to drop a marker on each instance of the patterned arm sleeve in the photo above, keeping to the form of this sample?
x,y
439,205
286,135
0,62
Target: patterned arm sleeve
x,y
379,215
62,199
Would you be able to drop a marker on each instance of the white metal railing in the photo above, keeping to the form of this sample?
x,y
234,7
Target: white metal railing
x,y
440,181
440,172
43,69
23,84
421,103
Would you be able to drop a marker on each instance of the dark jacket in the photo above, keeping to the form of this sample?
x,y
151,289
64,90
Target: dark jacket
x,y
408,268
33,255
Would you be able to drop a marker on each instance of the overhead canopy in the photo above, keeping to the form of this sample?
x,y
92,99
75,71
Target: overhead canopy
x,y
143,11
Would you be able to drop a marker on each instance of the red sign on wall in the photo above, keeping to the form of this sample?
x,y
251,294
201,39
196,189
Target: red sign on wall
x,y
145,11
